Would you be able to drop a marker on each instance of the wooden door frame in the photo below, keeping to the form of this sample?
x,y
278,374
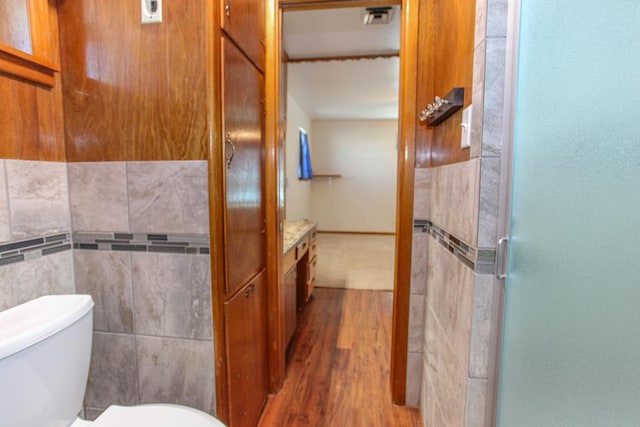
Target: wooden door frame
x,y
405,184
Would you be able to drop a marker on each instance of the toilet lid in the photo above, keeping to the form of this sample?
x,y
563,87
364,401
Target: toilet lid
x,y
155,415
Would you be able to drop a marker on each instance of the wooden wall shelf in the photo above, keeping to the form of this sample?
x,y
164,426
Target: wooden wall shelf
x,y
327,175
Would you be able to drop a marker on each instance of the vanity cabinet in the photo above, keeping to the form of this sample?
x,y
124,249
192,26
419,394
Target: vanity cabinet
x,y
290,312
300,262
244,22
312,265
246,332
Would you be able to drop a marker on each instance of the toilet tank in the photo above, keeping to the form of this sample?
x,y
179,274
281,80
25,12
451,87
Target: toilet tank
x,y
45,349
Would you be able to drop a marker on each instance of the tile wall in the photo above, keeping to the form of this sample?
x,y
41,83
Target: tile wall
x,y
457,216
139,233
422,189
35,231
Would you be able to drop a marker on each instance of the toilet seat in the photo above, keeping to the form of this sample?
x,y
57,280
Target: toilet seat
x,y
154,415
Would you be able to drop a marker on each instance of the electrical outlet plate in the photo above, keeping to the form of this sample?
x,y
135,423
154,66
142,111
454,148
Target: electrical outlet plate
x,y
151,11
465,137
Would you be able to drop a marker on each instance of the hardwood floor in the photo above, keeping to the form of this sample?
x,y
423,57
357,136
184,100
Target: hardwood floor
x,y
338,365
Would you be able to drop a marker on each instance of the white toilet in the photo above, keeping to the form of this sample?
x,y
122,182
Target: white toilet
x,y
45,349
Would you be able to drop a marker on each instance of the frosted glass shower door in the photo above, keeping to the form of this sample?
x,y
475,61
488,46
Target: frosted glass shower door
x,y
571,337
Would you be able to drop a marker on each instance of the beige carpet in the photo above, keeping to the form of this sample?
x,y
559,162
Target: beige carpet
x,y
355,261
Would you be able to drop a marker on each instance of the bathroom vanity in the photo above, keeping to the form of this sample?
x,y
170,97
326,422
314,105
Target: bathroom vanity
x,y
300,265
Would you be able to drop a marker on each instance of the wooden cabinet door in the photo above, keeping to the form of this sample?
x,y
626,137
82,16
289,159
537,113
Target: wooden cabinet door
x,y
244,22
244,153
246,329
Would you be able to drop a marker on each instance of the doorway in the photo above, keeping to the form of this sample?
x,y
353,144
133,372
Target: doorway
x,y
342,76
405,171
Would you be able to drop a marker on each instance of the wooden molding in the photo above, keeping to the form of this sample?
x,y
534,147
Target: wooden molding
x,y
216,203
404,209
40,26
36,67
274,202
27,67
291,5
344,58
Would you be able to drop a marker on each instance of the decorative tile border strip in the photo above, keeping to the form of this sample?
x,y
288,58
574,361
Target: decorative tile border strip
x,y
34,247
480,260
174,243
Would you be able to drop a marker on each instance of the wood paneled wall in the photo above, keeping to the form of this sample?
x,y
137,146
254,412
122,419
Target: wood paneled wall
x,y
446,36
31,119
133,92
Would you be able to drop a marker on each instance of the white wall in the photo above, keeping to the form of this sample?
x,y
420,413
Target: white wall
x,y
364,152
298,193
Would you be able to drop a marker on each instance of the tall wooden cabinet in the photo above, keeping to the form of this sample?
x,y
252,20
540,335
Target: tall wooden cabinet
x,y
244,21
244,170
245,287
245,315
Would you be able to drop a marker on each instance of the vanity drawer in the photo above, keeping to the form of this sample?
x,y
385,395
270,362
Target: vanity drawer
x,y
312,270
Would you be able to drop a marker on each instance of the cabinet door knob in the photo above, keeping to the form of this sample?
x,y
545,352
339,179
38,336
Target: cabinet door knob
x,y
228,140
227,9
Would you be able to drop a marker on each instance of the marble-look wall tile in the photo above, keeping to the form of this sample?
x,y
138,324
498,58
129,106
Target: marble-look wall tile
x,y
176,371
414,375
112,374
426,405
494,97
98,195
419,263
90,414
477,99
476,403
449,378
489,197
454,199
497,17
38,198
172,295
422,186
430,409
7,287
416,323
481,326
106,276
481,22
450,295
168,196
47,275
5,231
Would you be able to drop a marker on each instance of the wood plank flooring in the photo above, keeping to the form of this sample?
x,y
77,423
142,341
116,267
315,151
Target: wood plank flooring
x,y
338,365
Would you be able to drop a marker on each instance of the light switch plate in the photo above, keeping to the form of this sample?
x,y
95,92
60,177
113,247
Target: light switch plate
x,y
151,11
465,136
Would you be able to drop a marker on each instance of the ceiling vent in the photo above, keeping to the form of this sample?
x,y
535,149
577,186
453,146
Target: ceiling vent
x,y
378,15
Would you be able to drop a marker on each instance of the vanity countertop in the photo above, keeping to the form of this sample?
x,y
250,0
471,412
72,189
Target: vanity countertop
x,y
294,231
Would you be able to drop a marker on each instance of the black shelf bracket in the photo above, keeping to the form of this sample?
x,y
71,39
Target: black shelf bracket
x,y
442,108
